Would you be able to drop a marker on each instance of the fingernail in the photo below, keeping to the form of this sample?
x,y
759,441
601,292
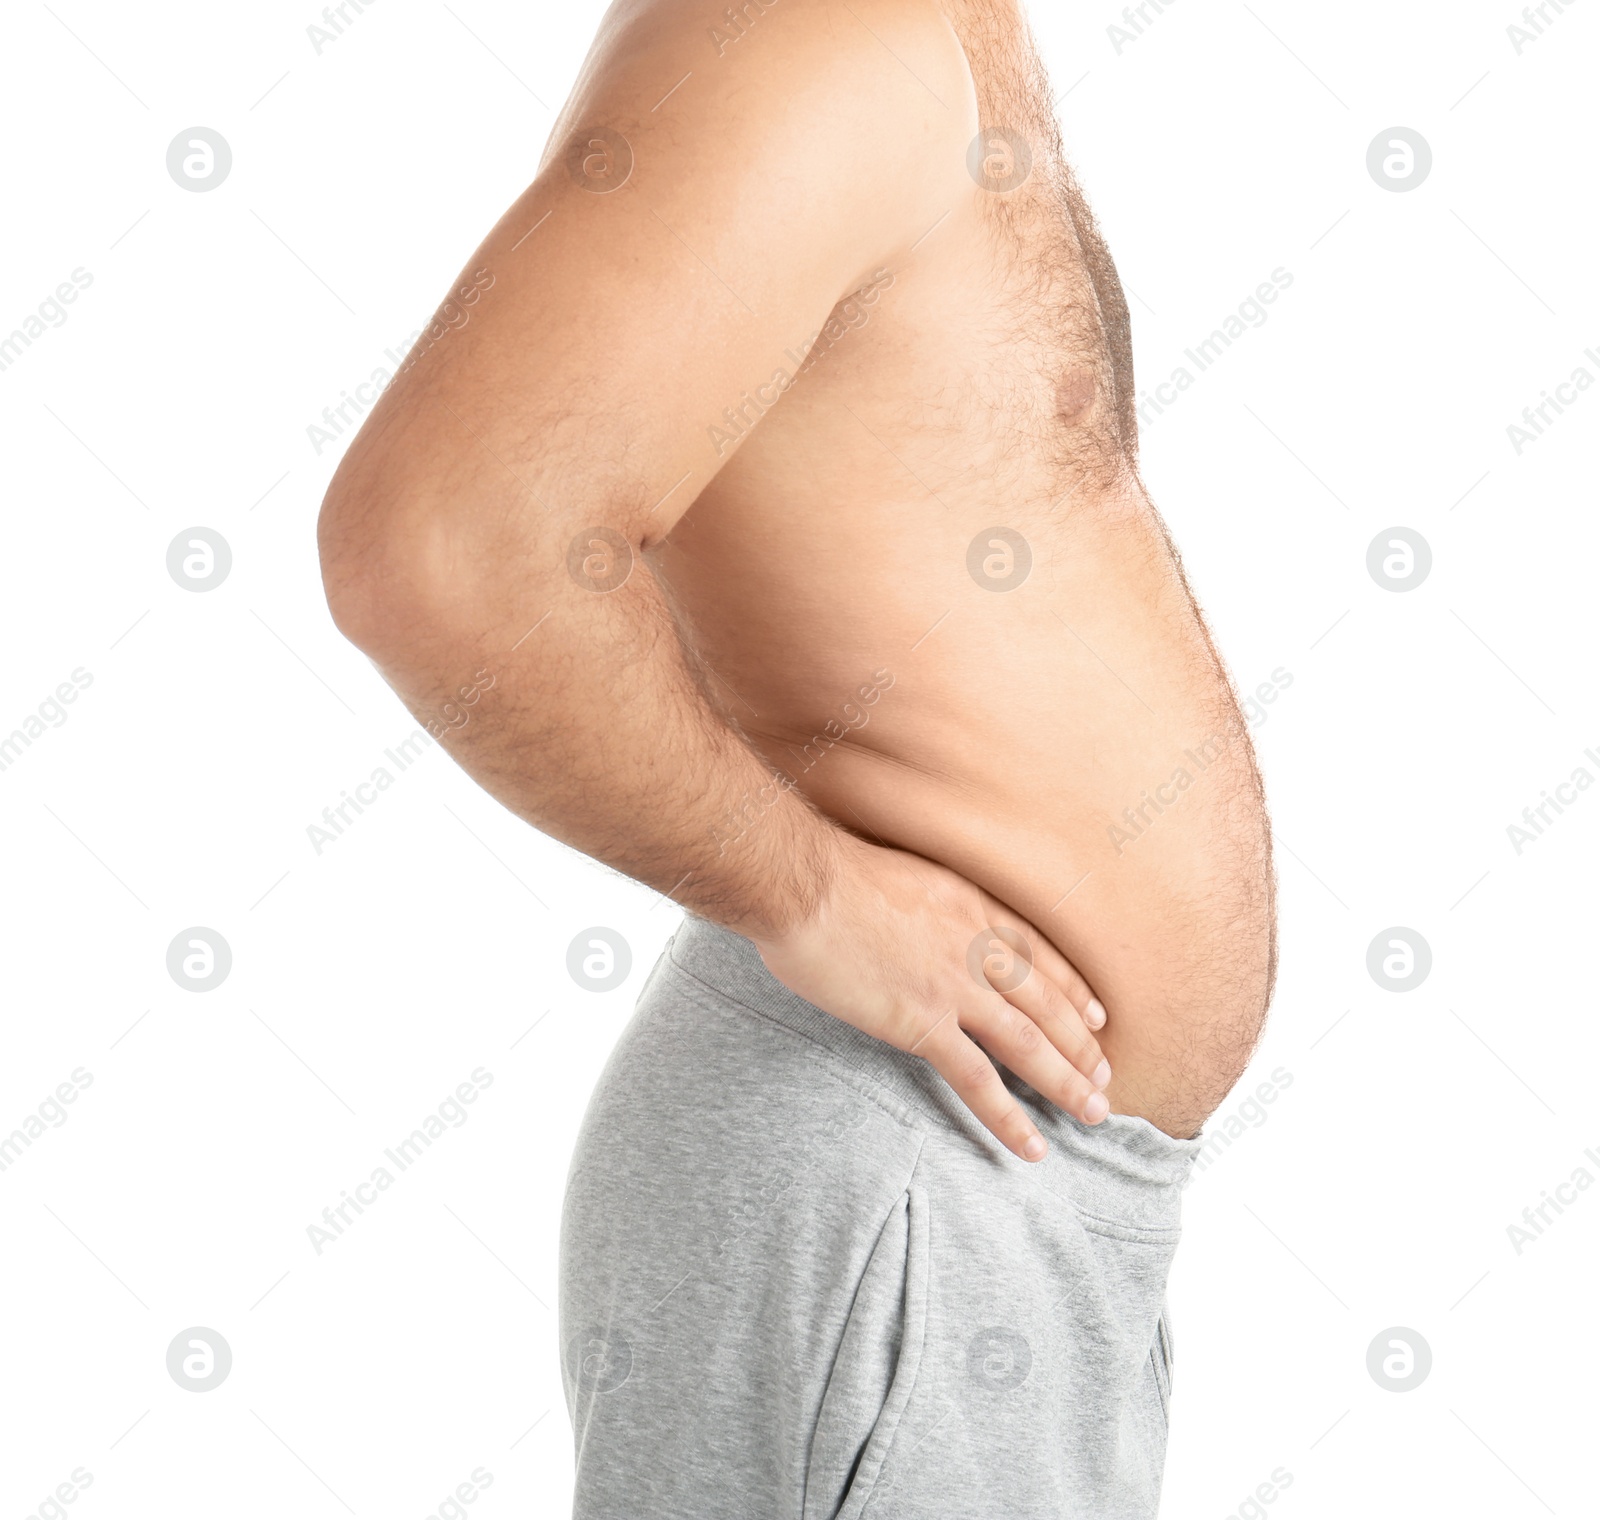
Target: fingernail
x,y
1096,1108
1095,1014
1102,1074
1034,1148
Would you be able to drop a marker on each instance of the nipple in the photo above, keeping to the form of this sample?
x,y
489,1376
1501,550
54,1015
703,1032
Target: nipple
x,y
1075,394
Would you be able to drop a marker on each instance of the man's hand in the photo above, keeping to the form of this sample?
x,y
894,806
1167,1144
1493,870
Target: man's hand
x,y
906,951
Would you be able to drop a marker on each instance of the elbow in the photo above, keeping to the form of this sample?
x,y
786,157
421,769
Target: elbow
x,y
352,578
406,583
365,609
413,569
375,577
403,571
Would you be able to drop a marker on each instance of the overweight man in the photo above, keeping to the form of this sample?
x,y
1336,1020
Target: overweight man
x,y
767,489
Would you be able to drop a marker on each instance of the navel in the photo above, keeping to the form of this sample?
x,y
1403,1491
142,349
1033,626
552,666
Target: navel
x,y
1075,393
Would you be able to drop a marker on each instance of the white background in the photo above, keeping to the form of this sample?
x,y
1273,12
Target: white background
x,y
429,940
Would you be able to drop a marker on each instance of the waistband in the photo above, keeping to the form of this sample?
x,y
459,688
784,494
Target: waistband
x,y
1125,1159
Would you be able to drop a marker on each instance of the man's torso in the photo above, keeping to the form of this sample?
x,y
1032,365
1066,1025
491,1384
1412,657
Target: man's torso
x,y
928,586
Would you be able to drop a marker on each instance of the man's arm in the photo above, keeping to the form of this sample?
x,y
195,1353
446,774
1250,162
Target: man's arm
x,y
492,514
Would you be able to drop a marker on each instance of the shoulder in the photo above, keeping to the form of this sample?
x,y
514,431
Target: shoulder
x,y
859,107
789,36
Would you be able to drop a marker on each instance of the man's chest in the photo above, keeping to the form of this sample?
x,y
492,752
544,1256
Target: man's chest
x,y
979,362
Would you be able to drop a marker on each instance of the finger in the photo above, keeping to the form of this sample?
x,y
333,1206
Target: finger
x,y
1057,967
1014,1039
974,1080
1043,1002
1016,956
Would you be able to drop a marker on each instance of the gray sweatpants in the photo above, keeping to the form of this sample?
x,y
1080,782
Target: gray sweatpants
x,y
799,1281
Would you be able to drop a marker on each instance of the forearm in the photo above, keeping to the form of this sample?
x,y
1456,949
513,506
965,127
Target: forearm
x,y
587,719
604,322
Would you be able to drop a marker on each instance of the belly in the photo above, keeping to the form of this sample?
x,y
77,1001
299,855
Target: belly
x,y
1025,693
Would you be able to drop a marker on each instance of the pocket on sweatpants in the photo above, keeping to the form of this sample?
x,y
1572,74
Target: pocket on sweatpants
x,y
1161,1363
874,1369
